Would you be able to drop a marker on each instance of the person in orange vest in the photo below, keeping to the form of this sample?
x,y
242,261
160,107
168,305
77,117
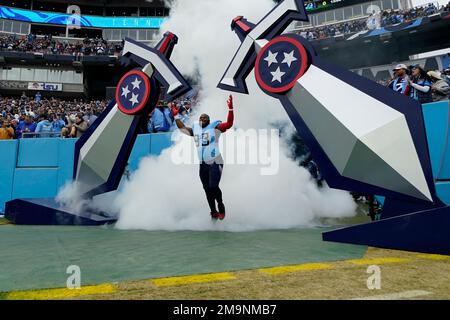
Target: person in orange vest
x,y
6,131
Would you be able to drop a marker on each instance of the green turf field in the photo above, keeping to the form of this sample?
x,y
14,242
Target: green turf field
x,y
36,257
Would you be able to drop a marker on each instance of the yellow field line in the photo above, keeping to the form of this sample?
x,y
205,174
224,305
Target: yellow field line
x,y
4,222
377,261
61,293
432,256
295,268
202,278
173,281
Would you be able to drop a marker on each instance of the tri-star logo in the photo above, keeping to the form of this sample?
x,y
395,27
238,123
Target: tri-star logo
x,y
132,92
279,64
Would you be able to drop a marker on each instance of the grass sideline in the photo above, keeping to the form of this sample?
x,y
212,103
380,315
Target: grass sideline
x,y
401,272
4,221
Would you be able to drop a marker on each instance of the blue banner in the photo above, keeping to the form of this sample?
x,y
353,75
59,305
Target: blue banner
x,y
82,20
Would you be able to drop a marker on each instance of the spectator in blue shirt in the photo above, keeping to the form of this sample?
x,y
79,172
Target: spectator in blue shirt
x,y
25,126
399,18
431,9
420,84
161,120
446,75
400,81
45,127
37,97
58,123
89,117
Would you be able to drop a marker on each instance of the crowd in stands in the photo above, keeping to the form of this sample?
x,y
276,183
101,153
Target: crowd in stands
x,y
419,84
48,45
26,117
375,20
36,117
99,46
162,117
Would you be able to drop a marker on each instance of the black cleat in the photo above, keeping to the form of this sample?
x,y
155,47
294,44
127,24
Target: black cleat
x,y
221,214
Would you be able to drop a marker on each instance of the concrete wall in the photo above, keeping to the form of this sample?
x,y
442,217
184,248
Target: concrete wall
x,y
35,168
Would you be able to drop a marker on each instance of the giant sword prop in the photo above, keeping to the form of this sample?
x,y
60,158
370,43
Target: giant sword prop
x,y
365,137
102,153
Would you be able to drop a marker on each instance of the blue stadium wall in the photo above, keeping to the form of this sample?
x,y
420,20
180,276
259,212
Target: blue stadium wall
x,y
437,123
35,168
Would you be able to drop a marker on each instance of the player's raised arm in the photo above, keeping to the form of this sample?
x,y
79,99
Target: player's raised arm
x,y
186,130
224,126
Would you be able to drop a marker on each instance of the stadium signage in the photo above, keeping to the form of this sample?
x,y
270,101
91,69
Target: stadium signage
x,y
14,85
84,21
44,86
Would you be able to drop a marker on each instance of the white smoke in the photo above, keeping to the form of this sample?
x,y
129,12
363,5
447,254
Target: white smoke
x,y
162,195
70,197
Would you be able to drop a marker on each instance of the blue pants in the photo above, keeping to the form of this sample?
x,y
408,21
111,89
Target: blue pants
x,y
210,175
